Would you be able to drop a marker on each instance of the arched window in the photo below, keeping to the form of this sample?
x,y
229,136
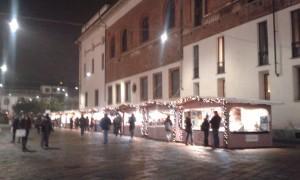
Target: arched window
x,y
170,14
124,40
112,47
145,29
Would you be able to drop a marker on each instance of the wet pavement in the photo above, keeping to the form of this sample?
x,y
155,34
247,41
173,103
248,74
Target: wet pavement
x,y
86,158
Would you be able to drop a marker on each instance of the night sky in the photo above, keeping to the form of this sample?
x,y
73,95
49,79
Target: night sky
x,y
45,52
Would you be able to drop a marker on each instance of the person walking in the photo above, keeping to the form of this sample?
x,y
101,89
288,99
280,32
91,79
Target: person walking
x,y
117,124
188,129
215,125
15,126
25,124
105,124
205,129
82,124
46,127
132,125
168,127
38,124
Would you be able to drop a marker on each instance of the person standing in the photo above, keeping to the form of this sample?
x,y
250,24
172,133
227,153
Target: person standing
x,y
205,129
117,124
38,123
15,126
168,127
25,124
132,125
82,124
215,125
105,124
188,129
46,127
71,123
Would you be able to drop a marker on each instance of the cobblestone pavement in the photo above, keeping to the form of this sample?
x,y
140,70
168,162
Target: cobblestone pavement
x,y
84,158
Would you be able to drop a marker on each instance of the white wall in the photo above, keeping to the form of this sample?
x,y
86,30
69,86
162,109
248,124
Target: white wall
x,y
242,70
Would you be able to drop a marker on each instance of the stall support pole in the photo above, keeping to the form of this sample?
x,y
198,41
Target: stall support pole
x,y
226,124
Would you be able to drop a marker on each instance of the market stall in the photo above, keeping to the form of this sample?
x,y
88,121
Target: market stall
x,y
244,124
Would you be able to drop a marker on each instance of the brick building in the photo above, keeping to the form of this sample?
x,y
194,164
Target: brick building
x,y
139,50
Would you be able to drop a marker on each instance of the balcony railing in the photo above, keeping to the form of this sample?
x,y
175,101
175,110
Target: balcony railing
x,y
296,49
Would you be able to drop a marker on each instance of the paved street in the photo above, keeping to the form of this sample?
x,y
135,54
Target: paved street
x,y
72,157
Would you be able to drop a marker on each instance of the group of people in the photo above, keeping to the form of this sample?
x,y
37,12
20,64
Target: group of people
x,y
214,123
22,124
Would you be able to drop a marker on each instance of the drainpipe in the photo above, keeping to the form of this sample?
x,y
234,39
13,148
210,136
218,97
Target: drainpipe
x,y
274,38
181,43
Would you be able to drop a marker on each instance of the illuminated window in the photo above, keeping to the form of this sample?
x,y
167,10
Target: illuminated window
x,y
124,44
263,51
145,29
221,87
96,97
221,55
110,93
144,88
128,91
112,47
157,86
249,120
86,99
296,33
196,61
170,16
118,93
174,78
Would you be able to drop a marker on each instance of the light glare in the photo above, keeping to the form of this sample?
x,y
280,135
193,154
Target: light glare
x,y
164,37
14,25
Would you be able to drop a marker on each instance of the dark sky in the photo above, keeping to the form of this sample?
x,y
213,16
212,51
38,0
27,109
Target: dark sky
x,y
45,52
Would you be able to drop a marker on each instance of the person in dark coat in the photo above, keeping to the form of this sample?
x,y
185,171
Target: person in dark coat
x,y
46,127
15,126
188,129
132,125
105,124
25,123
38,124
205,129
71,123
117,124
215,125
82,124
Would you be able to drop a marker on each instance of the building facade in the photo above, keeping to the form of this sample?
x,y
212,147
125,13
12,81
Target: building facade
x,y
165,49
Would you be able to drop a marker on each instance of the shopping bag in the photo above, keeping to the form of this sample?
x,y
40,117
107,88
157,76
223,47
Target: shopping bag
x,y
20,133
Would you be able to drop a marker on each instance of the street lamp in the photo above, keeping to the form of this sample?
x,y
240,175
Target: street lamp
x,y
14,25
164,37
1,85
3,68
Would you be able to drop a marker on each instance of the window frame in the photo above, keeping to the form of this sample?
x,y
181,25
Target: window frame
x,y
145,33
128,91
142,97
221,55
110,95
196,61
263,44
96,97
155,87
118,93
295,41
124,40
171,90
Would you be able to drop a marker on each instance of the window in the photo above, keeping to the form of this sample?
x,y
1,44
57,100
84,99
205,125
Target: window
x,y
144,88
196,89
221,56
196,61
112,47
86,99
265,91
124,40
157,86
170,16
103,62
110,99
221,87
127,91
174,83
198,12
96,97
263,43
93,66
145,29
47,90
84,70
296,33
118,93
297,82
